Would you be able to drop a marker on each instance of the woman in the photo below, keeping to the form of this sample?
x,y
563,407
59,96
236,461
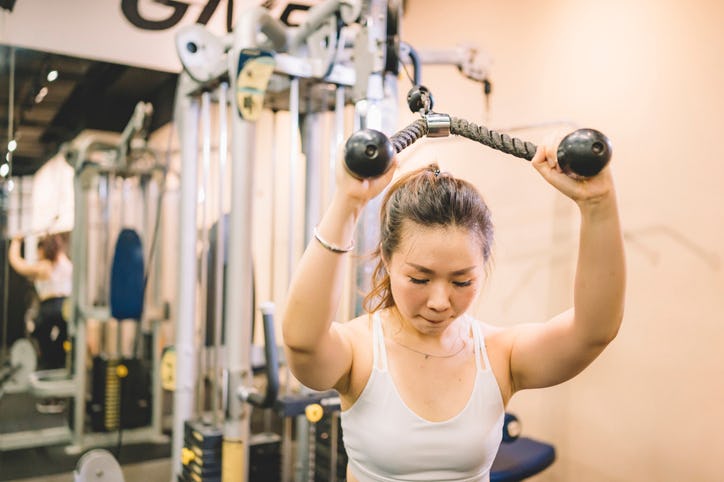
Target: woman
x,y
52,276
423,385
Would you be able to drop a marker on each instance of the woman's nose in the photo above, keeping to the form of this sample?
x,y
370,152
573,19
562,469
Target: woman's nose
x,y
438,299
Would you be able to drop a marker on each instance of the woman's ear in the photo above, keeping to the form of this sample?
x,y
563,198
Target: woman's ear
x,y
385,262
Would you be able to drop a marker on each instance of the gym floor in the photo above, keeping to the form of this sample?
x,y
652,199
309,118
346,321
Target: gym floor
x,y
155,470
140,462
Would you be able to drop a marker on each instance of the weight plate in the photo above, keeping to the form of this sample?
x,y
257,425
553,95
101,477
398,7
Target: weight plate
x,y
98,465
23,362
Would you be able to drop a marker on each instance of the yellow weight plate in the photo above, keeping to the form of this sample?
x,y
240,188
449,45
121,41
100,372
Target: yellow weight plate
x,y
314,412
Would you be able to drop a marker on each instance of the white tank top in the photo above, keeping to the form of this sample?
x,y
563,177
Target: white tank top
x,y
60,281
387,442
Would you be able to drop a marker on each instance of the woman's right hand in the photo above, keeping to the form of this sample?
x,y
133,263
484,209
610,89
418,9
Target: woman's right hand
x,y
360,191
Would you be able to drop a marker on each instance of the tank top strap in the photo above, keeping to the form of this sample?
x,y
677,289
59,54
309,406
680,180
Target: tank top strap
x,y
481,354
378,343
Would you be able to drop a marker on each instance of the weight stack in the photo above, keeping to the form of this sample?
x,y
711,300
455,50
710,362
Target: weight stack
x,y
202,451
329,443
119,402
201,456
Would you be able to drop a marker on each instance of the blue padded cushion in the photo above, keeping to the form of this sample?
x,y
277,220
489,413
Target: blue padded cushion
x,y
127,284
520,459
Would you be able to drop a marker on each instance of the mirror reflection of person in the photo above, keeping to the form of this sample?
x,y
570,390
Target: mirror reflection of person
x,y
423,384
51,275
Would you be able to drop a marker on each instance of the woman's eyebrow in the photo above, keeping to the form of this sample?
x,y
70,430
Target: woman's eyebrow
x,y
425,270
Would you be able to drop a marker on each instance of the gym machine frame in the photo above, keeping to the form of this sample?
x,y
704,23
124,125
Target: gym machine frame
x,y
93,155
130,142
221,65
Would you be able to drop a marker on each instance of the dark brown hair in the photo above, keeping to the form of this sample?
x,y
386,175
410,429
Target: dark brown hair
x,y
51,245
430,198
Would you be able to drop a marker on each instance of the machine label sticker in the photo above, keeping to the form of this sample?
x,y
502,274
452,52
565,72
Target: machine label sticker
x,y
255,69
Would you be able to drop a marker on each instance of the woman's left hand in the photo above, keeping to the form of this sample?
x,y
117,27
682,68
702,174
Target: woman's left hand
x,y
580,189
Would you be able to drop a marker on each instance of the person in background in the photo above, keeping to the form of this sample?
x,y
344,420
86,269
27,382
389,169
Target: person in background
x,y
423,384
51,275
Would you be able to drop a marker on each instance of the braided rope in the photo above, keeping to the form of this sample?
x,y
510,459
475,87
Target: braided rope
x,y
408,135
496,140
501,142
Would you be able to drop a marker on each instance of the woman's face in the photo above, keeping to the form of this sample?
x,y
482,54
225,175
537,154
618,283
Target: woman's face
x,y
435,275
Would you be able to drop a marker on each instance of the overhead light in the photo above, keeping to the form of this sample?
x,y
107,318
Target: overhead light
x,y
41,95
52,75
11,185
12,145
4,169
8,156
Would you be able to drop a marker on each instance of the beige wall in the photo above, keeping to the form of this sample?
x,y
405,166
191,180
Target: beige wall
x,y
649,73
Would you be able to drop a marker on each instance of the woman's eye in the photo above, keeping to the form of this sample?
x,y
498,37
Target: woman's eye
x,y
462,284
418,281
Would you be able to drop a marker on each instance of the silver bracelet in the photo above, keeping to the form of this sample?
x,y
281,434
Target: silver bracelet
x,y
329,246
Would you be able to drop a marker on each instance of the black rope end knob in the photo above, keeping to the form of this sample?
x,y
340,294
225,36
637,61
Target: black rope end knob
x,y
584,152
368,153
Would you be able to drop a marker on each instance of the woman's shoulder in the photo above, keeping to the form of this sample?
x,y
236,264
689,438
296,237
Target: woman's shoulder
x,y
498,334
356,326
486,327
498,338
40,270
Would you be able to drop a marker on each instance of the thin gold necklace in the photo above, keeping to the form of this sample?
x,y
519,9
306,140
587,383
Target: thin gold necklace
x,y
431,355
428,355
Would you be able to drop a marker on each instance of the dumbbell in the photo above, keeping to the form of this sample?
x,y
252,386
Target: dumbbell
x,y
368,152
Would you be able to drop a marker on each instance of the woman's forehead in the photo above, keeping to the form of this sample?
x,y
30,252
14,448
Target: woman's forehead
x,y
411,231
434,245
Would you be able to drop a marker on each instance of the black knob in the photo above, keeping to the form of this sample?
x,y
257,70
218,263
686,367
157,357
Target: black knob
x,y
368,153
419,99
584,152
